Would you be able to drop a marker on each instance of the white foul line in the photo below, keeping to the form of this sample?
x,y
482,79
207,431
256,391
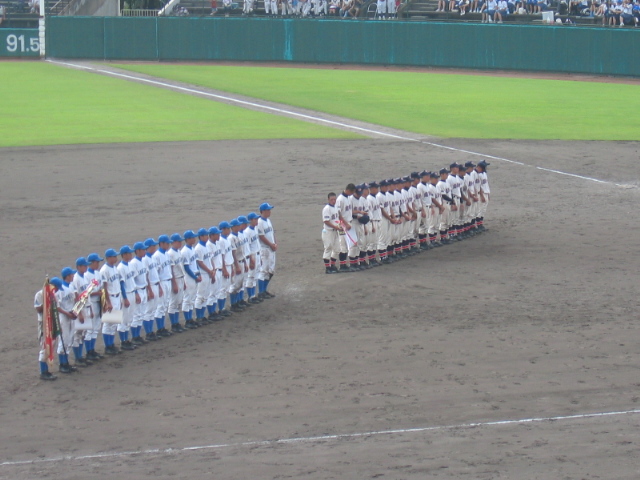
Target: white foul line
x,y
321,438
312,118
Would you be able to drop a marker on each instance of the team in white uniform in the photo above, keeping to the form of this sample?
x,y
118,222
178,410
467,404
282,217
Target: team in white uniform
x,y
156,279
372,224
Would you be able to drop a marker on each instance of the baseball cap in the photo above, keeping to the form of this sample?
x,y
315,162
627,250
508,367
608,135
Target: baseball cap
x,y
424,173
373,185
443,170
94,257
125,249
483,164
415,175
265,206
110,252
139,246
163,239
150,242
203,231
453,165
214,231
81,262
224,225
384,183
434,175
469,165
176,237
253,216
189,234
56,282
242,220
234,222
66,271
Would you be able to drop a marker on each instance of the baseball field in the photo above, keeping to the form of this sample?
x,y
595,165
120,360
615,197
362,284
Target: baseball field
x,y
514,354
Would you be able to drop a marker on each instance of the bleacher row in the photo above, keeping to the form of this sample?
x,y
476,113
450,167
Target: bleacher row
x,y
17,12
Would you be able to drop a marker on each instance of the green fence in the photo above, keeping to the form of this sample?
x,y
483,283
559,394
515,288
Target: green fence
x,y
480,46
19,42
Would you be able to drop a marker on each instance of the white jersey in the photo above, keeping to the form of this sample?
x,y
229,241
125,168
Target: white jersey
x,y
413,198
111,276
225,249
463,186
469,184
435,193
163,263
476,180
252,239
94,275
141,268
444,189
80,282
374,208
66,297
38,301
329,214
396,196
188,258
127,273
484,182
234,243
344,206
424,195
152,265
175,262
203,254
266,229
383,202
454,185
216,254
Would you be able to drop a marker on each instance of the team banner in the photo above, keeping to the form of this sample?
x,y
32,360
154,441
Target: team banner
x,y
50,320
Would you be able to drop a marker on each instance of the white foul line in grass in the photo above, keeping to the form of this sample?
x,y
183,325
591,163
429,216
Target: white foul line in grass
x,y
316,439
315,119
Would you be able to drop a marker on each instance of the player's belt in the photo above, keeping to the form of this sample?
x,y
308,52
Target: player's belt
x,y
154,284
114,294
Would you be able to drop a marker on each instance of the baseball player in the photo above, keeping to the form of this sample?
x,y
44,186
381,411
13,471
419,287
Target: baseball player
x,y
345,215
360,219
484,192
130,297
213,245
416,207
93,273
454,185
83,324
114,291
227,267
66,299
268,247
254,259
177,283
163,263
191,278
238,266
246,254
208,275
436,211
385,222
140,263
444,189
38,304
330,234
472,197
156,295
424,209
375,218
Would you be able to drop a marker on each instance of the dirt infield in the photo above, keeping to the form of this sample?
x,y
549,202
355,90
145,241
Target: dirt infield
x,y
535,318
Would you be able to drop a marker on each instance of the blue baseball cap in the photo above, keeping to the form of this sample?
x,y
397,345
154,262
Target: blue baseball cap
x,y
139,246
176,237
242,220
56,282
224,225
150,242
203,231
214,231
94,257
81,262
110,252
189,234
125,249
163,239
66,271
265,206
253,216
234,222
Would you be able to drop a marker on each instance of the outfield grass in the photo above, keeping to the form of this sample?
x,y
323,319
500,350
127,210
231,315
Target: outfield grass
x,y
444,105
44,104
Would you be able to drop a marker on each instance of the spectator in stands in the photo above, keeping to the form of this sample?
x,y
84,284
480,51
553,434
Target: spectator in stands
x,y
441,6
626,16
601,11
502,10
541,6
355,8
34,6
636,11
1,14
614,12
462,6
320,8
345,7
182,12
452,5
214,6
489,11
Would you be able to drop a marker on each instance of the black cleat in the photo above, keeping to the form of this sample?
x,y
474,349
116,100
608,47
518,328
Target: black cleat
x,y
83,362
47,376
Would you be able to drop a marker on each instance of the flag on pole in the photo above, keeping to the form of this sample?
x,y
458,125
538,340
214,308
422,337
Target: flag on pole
x,y
50,320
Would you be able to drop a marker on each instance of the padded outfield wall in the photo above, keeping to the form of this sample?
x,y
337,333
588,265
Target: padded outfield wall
x,y
610,51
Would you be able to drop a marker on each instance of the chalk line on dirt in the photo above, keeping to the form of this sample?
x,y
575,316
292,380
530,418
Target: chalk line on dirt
x,y
315,439
344,123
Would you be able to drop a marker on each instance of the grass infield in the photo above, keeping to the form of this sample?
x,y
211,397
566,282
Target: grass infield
x,y
44,104
444,105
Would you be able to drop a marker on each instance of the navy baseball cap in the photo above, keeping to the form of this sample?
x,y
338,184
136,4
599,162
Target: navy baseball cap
x,y
384,183
224,225
443,170
125,249
415,175
94,257
214,231
234,222
163,239
253,216
453,165
203,231
66,271
265,206
176,237
469,165
139,246
150,242
434,175
424,173
81,262
373,185
110,252
189,234
56,282
483,164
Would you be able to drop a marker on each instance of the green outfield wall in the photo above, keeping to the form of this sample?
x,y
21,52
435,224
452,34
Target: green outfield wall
x,y
610,51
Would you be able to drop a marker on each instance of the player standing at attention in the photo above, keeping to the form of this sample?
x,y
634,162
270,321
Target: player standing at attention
x,y
203,289
424,211
130,297
140,264
375,218
246,252
191,278
444,189
238,266
213,245
345,215
83,325
436,199
268,247
95,301
484,192
113,286
385,222
254,261
330,234
164,273
156,295
227,267
38,304
66,299
177,283
454,186
472,196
